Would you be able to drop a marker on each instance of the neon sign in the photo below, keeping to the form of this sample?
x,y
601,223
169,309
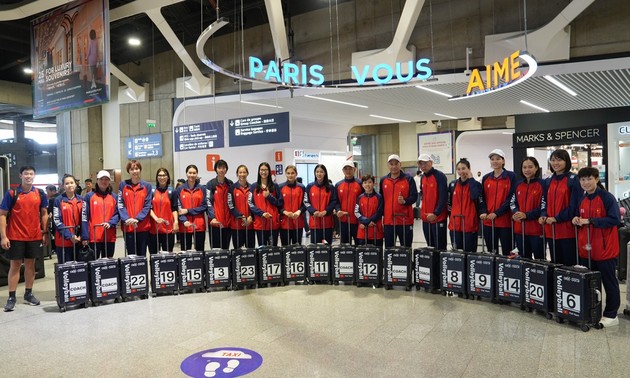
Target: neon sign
x,y
500,75
292,74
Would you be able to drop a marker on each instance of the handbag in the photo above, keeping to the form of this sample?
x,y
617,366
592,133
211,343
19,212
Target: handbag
x,y
86,254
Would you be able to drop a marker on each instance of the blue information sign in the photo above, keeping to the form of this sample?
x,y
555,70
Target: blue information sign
x,y
144,146
221,362
199,136
262,129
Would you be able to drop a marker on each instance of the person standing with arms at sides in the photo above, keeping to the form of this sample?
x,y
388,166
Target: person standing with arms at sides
x,y
242,221
192,211
495,206
464,194
598,219
99,217
399,194
164,217
219,217
23,216
320,200
291,219
67,213
348,190
561,193
134,206
264,202
526,204
369,212
434,209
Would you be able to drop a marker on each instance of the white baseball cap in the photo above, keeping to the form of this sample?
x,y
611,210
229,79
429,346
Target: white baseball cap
x,y
102,174
393,157
348,163
498,152
425,157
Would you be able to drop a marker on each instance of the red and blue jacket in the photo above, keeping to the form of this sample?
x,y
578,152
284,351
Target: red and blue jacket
x,y
259,204
163,204
194,200
527,198
318,198
497,192
66,213
216,200
368,209
348,190
292,201
603,211
390,188
238,203
134,201
24,220
464,203
434,195
99,208
561,197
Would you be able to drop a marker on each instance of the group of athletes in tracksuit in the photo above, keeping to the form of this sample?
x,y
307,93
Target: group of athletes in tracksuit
x,y
572,214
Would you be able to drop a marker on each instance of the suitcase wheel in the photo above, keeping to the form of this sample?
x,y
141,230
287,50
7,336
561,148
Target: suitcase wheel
x,y
528,309
585,328
626,312
407,288
336,283
559,320
501,302
494,300
444,293
523,308
359,284
153,295
388,287
62,308
598,326
548,315
472,297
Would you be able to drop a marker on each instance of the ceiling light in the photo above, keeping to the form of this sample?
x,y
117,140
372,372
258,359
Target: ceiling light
x,y
338,102
28,70
444,115
390,119
259,104
433,91
534,106
133,41
560,85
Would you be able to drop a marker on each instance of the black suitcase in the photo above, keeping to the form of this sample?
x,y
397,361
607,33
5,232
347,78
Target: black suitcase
x,y
453,273
104,277
369,266
244,268
270,265
509,280
295,266
191,271
343,260
622,263
481,275
319,264
578,294
134,276
538,285
426,263
218,268
71,282
164,273
397,267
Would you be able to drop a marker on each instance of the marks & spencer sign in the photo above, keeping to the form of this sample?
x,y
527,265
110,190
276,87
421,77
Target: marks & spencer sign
x,y
589,134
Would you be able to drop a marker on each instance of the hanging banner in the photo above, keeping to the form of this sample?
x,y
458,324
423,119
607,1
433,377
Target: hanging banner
x,y
198,136
440,147
262,129
69,57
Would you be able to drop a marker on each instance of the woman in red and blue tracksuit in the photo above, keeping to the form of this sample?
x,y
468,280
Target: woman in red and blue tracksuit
x,y
67,213
598,219
495,206
164,217
264,202
291,219
464,194
191,207
369,212
320,199
219,216
238,203
347,191
134,206
399,194
561,194
526,204
99,217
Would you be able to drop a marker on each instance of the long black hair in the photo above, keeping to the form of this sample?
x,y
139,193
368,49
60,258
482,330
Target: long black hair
x,y
325,181
270,185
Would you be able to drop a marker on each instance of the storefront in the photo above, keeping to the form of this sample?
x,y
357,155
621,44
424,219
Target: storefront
x,y
619,157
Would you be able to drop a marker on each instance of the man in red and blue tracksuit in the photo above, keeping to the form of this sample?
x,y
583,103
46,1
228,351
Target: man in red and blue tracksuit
x,y
399,194
434,203
348,190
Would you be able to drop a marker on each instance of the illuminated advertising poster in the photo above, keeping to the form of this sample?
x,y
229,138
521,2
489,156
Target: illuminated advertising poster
x,y
69,57
440,147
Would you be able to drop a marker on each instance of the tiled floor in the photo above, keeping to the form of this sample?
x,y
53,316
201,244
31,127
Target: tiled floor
x,y
320,331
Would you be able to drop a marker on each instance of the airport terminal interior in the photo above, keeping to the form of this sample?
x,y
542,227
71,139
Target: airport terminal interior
x,y
88,85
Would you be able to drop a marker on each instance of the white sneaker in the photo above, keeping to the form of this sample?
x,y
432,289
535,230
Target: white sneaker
x,y
609,322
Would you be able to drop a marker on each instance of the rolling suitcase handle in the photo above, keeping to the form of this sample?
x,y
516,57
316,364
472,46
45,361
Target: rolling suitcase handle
x,y
104,239
553,241
494,249
194,238
483,239
63,246
404,241
523,238
454,231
